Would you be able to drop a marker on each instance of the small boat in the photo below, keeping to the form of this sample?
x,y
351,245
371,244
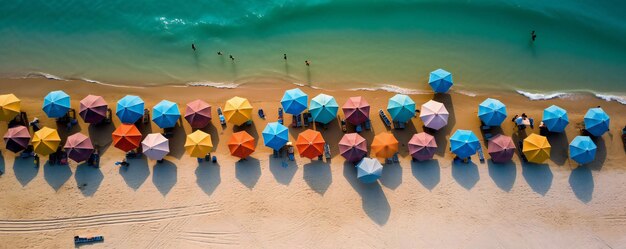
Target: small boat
x,y
82,240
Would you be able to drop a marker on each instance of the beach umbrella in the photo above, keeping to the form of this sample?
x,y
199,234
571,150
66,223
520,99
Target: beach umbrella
x,y
155,146
17,138
310,144
385,145
10,106
369,170
536,148
501,148
492,112
440,80
353,147
198,144
464,143
275,135
129,109
582,149
56,104
46,141
78,147
401,108
434,115
93,109
198,113
422,146
597,121
356,110
238,110
126,137
241,144
165,114
294,101
555,118
323,108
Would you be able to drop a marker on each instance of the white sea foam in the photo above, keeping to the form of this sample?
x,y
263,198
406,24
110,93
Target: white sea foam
x,y
214,84
43,75
298,84
391,88
542,96
303,85
608,97
466,93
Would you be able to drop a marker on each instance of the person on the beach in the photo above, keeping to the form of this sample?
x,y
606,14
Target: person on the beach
x,y
285,56
193,46
219,52
307,62
533,36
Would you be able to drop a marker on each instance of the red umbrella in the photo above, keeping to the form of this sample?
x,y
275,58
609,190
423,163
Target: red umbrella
x,y
241,144
422,146
198,113
78,147
93,109
353,147
501,148
356,110
17,138
310,144
126,137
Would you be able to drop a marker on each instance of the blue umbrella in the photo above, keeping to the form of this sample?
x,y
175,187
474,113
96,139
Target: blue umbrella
x,y
440,80
324,108
165,114
56,104
129,109
555,118
369,170
597,121
401,108
582,149
275,135
492,112
464,143
294,101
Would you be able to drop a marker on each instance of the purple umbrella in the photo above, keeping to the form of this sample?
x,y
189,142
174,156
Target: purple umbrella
x,y
501,148
198,113
353,147
17,138
422,146
78,147
357,110
93,109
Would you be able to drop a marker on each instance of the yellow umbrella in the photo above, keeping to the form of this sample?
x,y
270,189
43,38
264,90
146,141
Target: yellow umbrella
x,y
9,107
238,110
198,144
536,148
46,141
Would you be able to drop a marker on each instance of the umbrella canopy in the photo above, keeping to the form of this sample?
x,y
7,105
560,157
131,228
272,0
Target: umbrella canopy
x,y
422,146
401,108
155,146
597,121
56,104
93,109
310,144
198,144
434,115
129,109
126,137
275,135
324,108
10,106
165,114
17,138
238,110
356,110
353,147
440,80
46,141
294,101
369,170
385,145
198,113
241,144
582,149
536,148
555,118
78,147
464,143
501,148
492,112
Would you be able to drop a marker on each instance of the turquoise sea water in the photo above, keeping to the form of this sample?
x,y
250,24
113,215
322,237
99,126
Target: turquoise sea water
x,y
581,45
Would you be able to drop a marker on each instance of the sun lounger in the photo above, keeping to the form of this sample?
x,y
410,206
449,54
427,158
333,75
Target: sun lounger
x,y
384,117
221,116
398,125
368,125
327,151
296,121
395,158
214,159
261,114
82,240
481,156
359,129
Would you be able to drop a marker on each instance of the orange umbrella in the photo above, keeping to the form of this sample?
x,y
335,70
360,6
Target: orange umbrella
x,y
241,144
126,137
310,144
385,145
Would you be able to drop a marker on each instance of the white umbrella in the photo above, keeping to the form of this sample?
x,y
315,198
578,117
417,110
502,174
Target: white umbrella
x,y
155,146
434,115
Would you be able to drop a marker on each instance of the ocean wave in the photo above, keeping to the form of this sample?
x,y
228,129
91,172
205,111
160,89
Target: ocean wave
x,y
43,75
466,93
541,96
309,86
392,89
609,98
214,84
553,95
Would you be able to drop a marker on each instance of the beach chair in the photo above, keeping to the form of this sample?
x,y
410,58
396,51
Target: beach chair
x,y
146,116
261,114
368,124
395,158
327,151
168,132
399,125
35,124
481,156
384,118
83,240
221,116
214,159
359,129
344,128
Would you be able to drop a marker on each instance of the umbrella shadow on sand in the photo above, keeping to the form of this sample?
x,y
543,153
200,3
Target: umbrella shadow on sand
x,y
282,169
177,141
428,173
465,174
318,176
136,173
581,182
441,135
2,167
208,176
332,134
248,171
164,176
597,163
538,176
213,131
391,176
88,179
56,175
374,201
25,170
100,136
502,174
403,136
559,147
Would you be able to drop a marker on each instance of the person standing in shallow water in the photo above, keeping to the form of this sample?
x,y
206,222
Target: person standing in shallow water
x,y
307,62
533,35
285,56
193,46
232,58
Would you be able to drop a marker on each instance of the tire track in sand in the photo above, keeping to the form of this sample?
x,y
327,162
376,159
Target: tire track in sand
x,y
211,238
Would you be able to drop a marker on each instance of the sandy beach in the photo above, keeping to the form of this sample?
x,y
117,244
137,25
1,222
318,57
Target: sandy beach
x,y
261,203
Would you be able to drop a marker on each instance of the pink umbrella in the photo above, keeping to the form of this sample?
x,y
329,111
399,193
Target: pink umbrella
x,y
356,110
353,147
17,138
501,148
78,147
422,146
198,113
93,109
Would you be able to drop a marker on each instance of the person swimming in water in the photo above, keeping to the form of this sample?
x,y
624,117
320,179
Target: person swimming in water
x,y
533,36
231,57
307,62
219,52
285,56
